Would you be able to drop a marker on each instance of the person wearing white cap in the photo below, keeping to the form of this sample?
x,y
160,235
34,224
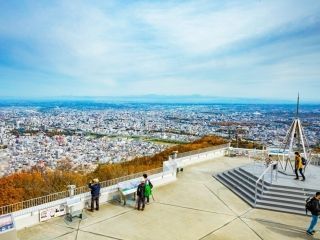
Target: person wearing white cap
x,y
95,193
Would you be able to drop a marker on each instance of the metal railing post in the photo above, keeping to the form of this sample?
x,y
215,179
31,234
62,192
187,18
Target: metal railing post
x,y
81,190
261,178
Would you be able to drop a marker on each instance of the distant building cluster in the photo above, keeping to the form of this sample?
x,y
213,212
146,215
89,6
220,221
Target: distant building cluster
x,y
31,136
23,152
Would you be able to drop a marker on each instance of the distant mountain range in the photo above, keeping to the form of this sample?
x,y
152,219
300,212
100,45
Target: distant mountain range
x,y
152,98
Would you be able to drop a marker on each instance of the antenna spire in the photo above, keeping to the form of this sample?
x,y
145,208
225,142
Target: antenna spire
x,y
298,102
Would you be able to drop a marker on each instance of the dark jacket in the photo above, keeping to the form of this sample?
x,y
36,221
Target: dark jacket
x,y
95,189
315,207
141,190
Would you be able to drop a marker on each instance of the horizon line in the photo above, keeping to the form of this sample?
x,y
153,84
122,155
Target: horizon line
x,y
156,98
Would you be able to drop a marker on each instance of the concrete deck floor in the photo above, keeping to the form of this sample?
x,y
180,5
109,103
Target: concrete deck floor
x,y
196,206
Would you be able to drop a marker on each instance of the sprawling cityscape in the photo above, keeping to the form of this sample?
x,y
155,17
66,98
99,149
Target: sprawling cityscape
x,y
89,133
136,120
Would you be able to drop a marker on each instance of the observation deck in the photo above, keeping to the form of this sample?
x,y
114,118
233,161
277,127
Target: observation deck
x,y
193,205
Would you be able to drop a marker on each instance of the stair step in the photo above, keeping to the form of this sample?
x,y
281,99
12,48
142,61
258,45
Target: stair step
x,y
250,187
275,188
248,173
279,209
286,195
284,200
246,176
274,197
245,185
237,183
268,185
281,205
249,183
242,194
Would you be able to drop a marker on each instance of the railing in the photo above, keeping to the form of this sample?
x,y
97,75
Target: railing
x,y
64,194
203,150
315,159
312,159
33,202
256,154
271,168
84,189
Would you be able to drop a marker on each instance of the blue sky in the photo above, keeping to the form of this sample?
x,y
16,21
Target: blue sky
x,y
250,49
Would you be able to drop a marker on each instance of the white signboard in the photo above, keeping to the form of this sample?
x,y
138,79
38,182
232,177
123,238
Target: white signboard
x,y
6,223
133,184
52,212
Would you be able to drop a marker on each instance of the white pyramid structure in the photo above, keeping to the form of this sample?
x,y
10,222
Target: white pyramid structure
x,y
295,141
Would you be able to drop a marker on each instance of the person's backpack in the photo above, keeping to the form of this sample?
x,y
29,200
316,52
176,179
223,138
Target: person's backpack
x,y
304,161
147,190
309,205
150,184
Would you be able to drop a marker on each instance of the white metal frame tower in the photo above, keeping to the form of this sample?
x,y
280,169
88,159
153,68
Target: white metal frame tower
x,y
295,135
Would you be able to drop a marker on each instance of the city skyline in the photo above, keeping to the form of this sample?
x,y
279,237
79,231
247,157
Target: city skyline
x,y
89,133
248,50
151,99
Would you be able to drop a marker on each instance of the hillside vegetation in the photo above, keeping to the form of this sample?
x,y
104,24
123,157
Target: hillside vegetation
x,y
26,185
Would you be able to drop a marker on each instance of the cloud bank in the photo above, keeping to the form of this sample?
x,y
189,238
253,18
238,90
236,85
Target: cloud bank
x,y
258,49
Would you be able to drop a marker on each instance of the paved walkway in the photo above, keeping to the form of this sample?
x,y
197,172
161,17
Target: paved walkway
x,y
196,206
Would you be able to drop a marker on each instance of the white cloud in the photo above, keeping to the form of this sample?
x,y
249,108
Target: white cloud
x,y
198,29
166,48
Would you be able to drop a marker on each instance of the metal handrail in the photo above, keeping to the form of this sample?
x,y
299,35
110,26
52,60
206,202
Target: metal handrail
x,y
64,194
203,150
271,166
84,189
257,154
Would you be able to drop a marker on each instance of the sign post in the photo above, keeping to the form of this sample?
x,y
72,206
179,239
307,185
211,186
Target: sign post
x,y
7,228
52,212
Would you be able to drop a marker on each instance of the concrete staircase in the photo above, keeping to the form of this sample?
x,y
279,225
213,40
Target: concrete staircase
x,y
273,197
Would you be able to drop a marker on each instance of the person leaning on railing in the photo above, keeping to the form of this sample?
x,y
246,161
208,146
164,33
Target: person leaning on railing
x,y
95,193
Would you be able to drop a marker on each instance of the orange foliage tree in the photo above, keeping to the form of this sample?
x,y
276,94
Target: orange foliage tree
x,y
140,164
38,182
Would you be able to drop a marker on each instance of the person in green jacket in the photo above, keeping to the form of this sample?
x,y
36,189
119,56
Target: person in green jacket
x,y
148,187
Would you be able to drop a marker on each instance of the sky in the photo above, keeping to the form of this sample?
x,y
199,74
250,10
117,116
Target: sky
x,y
247,49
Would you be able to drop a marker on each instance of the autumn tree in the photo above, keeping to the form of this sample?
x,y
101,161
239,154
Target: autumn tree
x,y
38,182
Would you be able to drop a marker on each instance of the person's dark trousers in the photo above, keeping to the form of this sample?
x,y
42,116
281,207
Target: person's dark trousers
x,y
314,221
301,173
140,203
96,200
147,199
